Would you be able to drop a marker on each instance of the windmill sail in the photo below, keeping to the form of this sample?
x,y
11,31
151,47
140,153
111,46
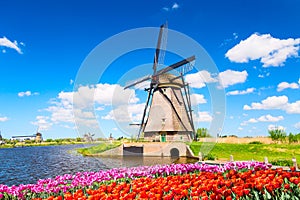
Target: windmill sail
x,y
176,65
136,82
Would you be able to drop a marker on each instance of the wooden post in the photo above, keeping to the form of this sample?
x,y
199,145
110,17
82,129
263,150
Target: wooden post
x,y
231,158
295,163
200,156
266,160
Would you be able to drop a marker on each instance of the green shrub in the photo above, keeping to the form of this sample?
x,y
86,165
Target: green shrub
x,y
255,142
209,157
29,141
282,162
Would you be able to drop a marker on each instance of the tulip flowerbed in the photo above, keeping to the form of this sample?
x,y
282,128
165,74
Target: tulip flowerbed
x,y
234,180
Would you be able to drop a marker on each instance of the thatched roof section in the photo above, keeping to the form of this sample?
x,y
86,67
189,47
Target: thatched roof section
x,y
170,80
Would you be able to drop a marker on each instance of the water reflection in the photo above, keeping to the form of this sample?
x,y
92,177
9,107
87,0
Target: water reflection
x,y
27,165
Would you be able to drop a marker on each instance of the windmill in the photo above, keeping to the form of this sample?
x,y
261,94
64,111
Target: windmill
x,y
168,105
38,136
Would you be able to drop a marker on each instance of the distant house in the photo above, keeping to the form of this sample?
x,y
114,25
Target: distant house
x,y
22,138
36,137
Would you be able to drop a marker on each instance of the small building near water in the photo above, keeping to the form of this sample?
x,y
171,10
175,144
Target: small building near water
x,y
36,137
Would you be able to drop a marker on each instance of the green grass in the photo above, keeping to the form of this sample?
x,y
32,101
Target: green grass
x,y
94,150
248,151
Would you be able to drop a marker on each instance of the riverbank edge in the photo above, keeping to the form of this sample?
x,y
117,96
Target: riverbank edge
x,y
224,152
20,145
154,149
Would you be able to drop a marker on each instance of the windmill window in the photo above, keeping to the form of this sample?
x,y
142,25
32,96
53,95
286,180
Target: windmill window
x,y
164,90
163,121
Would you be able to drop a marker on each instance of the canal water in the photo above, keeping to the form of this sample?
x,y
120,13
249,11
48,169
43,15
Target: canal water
x,y
27,165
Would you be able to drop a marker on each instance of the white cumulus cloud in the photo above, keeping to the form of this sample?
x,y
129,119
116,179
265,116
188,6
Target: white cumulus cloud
x,y
270,118
269,50
297,125
203,117
80,105
27,94
43,123
241,92
3,119
230,77
175,6
275,127
126,113
293,108
284,85
197,99
4,42
225,79
103,94
275,102
264,118
22,94
252,120
200,79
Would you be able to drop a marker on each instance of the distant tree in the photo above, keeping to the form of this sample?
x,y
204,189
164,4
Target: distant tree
x,y
78,139
7,141
49,140
277,135
120,138
293,138
58,141
202,133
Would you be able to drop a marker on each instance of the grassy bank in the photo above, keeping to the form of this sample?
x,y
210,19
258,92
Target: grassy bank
x,y
94,150
222,151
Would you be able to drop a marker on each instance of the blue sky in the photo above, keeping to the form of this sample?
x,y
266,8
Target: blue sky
x,y
254,44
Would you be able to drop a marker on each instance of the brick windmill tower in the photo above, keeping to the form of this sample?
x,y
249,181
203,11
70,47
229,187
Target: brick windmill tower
x,y
167,114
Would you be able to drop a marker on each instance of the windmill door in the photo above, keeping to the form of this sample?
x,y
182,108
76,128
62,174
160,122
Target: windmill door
x,y
163,137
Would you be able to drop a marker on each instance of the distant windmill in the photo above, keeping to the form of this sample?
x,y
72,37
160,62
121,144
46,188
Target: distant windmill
x,y
170,114
38,135
88,137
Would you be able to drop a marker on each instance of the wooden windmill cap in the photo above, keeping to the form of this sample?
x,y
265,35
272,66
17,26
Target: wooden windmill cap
x,y
170,80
